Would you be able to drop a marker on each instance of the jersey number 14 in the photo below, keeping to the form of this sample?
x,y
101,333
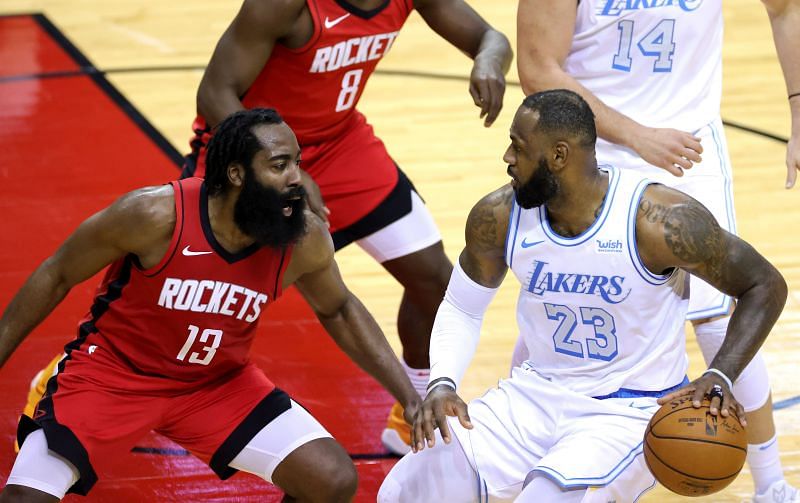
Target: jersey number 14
x,y
657,43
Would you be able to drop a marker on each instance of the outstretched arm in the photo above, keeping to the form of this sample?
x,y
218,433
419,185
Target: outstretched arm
x,y
133,224
346,319
784,16
456,330
460,25
674,230
544,39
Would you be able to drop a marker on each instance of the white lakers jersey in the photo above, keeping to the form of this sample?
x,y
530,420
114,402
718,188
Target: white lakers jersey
x,y
657,61
593,318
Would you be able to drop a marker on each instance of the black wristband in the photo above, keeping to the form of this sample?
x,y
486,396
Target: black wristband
x,y
793,95
442,380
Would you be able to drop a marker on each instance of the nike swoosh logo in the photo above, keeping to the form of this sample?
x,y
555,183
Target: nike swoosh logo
x,y
189,253
640,407
330,24
525,244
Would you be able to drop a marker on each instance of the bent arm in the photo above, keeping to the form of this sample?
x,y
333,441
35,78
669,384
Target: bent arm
x,y
784,16
241,54
674,230
349,323
112,233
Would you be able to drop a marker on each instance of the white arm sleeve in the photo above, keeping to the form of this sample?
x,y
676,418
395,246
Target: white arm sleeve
x,y
458,325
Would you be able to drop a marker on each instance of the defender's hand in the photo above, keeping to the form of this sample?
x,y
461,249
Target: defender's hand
x,y
668,149
442,401
487,85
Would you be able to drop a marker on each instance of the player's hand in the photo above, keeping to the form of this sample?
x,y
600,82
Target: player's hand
x,y
314,197
722,399
410,410
487,85
442,401
792,160
668,149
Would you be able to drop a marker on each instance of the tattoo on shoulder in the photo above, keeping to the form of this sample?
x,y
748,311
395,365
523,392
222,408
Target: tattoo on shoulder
x,y
483,227
654,212
693,235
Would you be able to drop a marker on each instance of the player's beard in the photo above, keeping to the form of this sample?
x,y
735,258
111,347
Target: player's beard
x,y
259,213
540,187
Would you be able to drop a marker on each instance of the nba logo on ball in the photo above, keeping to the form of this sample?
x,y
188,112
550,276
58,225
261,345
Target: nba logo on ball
x,y
691,452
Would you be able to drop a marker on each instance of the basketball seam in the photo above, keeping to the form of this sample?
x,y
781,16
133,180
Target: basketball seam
x,y
680,472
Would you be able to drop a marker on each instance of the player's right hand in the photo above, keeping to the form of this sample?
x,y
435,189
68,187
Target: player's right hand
x,y
442,401
668,149
314,197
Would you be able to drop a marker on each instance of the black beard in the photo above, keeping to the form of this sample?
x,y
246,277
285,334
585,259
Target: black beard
x,y
540,188
259,213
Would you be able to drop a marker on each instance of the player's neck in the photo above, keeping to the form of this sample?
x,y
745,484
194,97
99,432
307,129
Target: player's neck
x,y
365,5
226,232
578,205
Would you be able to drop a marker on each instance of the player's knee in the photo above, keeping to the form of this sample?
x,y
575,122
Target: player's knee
x,y
341,484
16,493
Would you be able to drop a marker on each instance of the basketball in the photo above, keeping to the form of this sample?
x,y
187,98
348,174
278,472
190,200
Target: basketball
x,y
691,452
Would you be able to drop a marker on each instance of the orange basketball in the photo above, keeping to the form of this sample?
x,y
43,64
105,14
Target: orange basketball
x,y
691,452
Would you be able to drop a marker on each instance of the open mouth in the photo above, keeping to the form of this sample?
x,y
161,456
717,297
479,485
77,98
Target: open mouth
x,y
288,209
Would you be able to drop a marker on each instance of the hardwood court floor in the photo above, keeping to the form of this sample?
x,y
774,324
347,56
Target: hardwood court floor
x,y
154,52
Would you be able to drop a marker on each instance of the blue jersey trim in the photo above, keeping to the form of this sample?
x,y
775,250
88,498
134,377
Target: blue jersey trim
x,y
633,250
603,480
510,246
635,393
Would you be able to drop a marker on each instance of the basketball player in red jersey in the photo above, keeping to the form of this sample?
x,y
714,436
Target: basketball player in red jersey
x,y
310,59
165,346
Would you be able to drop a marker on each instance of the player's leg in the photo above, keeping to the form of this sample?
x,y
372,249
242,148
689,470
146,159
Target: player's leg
x,y
37,387
710,182
401,235
38,474
540,488
295,453
244,423
439,473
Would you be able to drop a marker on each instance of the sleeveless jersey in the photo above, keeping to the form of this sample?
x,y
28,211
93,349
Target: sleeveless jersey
x,y
657,61
593,318
191,318
316,87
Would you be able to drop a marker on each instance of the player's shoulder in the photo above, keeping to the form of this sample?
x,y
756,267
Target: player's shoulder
x,y
150,208
488,219
272,10
314,249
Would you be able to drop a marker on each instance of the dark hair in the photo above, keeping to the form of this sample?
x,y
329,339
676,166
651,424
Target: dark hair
x,y
564,112
234,142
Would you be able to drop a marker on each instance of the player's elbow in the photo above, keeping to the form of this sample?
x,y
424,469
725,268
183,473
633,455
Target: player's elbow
x,y
535,76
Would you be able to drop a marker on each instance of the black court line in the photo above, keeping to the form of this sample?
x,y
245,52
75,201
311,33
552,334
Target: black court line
x,y
90,69
99,78
167,451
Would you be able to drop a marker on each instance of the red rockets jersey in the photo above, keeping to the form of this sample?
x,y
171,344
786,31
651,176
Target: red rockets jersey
x,y
316,87
192,317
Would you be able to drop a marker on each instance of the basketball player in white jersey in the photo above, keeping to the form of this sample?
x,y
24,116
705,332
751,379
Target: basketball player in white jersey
x,y
652,73
603,257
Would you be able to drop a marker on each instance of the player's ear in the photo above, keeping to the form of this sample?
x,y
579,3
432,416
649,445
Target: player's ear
x,y
236,174
559,155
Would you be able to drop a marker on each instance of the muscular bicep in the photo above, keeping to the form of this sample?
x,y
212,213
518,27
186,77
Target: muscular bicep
x,y
675,230
483,257
241,54
544,38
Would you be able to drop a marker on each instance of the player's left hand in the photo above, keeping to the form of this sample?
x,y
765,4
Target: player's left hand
x,y
314,197
792,160
718,392
487,85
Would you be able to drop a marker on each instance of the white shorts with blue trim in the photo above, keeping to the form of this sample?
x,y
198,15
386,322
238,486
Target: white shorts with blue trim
x,y
529,424
710,182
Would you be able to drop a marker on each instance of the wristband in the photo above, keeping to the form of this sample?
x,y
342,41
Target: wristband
x,y
446,381
720,374
793,95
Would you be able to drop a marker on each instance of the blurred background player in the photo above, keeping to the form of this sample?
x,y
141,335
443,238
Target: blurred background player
x,y
653,77
165,347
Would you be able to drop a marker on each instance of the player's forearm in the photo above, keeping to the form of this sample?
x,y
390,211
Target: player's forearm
x,y
785,20
611,125
495,47
359,336
757,310
43,291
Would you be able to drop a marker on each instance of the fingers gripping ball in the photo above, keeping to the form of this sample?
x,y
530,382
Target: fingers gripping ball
x,y
691,452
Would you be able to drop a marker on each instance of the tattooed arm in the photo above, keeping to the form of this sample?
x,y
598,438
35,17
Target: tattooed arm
x,y
674,230
483,257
